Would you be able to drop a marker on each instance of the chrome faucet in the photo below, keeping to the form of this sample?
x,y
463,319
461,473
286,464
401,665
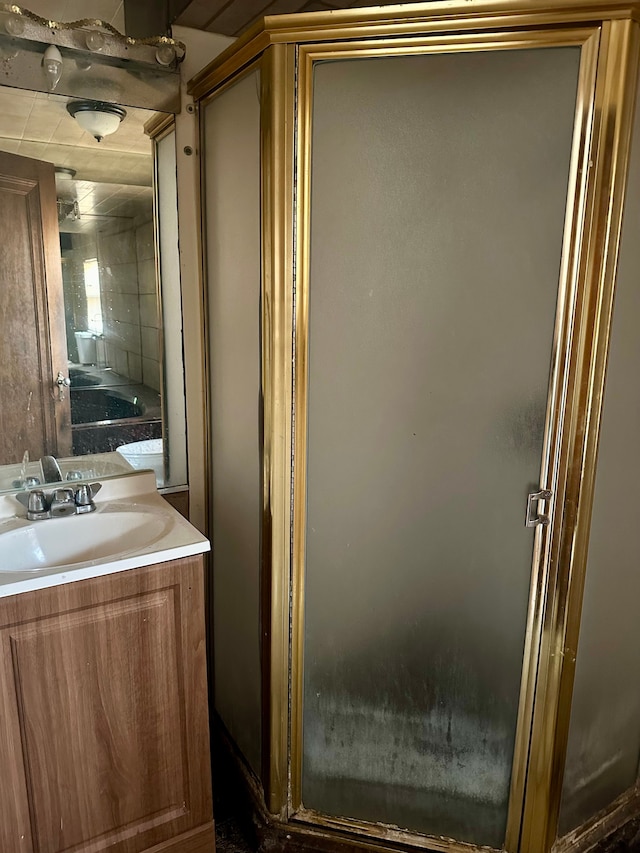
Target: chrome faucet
x,y
51,472
59,502
62,503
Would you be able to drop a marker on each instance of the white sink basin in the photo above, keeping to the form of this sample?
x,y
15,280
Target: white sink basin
x,y
132,526
38,545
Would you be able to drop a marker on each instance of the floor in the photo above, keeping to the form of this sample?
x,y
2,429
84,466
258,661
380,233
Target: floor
x,y
230,837
627,840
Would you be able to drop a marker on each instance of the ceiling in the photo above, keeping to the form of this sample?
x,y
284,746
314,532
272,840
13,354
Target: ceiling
x,y
232,17
38,125
101,203
113,177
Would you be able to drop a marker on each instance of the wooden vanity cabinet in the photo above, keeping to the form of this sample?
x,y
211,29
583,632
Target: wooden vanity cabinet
x,y
104,739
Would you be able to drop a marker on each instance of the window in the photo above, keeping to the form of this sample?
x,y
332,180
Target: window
x,y
92,291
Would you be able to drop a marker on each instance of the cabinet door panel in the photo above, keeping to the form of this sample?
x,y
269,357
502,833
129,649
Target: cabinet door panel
x,y
104,681
93,735
15,826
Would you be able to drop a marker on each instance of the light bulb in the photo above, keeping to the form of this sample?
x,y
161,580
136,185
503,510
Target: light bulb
x,y
15,25
52,65
95,40
165,54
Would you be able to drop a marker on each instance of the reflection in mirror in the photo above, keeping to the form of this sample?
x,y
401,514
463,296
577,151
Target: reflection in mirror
x,y
111,317
109,327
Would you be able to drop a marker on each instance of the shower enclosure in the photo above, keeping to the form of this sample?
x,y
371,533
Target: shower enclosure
x,y
422,488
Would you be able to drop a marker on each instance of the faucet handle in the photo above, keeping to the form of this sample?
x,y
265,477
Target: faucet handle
x,y
37,501
84,495
36,504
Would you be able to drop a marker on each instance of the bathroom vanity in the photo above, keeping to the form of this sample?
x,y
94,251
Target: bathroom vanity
x,y
104,739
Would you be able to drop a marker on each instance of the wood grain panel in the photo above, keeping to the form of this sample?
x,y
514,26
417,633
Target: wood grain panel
x,y
201,840
78,711
33,344
21,300
104,727
15,823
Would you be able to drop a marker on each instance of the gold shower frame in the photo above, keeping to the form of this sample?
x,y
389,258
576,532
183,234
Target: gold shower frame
x,y
287,47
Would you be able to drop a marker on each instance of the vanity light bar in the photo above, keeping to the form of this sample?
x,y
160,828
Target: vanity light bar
x,y
98,62
91,33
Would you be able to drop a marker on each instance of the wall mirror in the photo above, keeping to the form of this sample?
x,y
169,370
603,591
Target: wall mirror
x,y
104,342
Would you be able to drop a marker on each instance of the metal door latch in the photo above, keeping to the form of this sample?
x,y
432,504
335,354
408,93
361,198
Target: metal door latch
x,y
533,519
61,383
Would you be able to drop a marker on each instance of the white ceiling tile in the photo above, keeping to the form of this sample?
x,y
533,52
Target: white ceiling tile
x,y
39,128
16,105
11,126
33,149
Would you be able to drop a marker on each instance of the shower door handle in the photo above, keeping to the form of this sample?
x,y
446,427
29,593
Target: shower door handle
x,y
533,519
60,384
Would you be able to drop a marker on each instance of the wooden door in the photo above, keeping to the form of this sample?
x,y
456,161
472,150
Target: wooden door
x,y
32,342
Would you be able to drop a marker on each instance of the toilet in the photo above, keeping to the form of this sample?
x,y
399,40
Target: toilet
x,y
87,351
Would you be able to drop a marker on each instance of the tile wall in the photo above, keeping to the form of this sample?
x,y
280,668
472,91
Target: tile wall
x,y
149,323
126,258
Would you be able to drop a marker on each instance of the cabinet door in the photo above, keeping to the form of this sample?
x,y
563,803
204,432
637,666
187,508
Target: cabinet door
x,y
105,709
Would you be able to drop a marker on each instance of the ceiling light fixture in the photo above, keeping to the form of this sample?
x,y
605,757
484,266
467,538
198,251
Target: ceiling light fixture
x,y
96,117
64,179
104,31
67,210
52,65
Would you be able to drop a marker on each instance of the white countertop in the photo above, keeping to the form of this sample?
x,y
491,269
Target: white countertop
x,y
159,534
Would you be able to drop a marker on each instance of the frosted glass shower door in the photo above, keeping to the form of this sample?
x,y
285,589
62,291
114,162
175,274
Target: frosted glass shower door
x,y
232,199
438,195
